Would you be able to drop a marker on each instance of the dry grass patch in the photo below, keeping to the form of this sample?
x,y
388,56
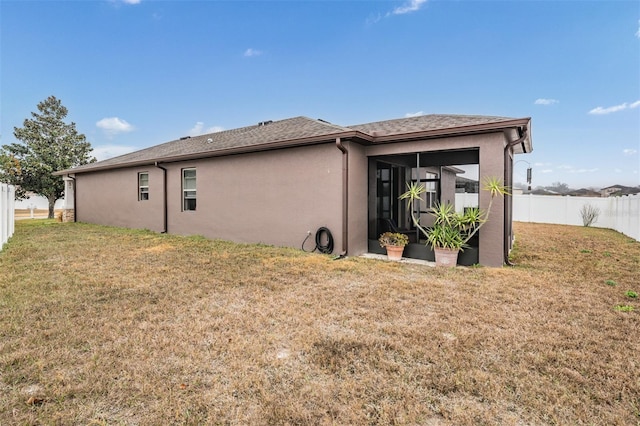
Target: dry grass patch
x,y
37,213
111,326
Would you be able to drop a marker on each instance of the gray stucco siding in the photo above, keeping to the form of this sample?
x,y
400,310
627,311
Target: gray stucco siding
x,y
271,197
111,198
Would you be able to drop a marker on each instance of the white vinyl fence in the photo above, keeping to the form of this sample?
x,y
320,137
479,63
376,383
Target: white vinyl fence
x,y
466,199
7,203
619,213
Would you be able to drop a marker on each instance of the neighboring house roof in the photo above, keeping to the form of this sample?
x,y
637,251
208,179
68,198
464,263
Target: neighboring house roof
x,y
620,190
305,131
583,192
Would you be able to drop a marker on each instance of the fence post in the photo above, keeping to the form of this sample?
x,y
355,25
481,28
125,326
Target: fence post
x,y
12,208
3,213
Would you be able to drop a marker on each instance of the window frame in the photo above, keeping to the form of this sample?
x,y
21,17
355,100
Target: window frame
x,y
431,184
188,199
143,190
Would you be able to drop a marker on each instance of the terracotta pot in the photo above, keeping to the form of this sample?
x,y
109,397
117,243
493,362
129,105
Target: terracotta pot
x,y
394,252
446,257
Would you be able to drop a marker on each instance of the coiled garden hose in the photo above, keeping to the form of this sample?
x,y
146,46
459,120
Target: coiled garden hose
x,y
325,248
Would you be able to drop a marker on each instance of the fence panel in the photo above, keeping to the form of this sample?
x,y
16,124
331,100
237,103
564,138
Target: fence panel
x,y
7,218
466,199
619,213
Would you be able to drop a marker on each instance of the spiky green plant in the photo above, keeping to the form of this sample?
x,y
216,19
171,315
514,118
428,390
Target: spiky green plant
x,y
452,230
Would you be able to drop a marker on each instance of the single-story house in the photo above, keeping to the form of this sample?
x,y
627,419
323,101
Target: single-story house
x,y
275,181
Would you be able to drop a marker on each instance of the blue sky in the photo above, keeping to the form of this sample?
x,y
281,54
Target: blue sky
x,y
138,73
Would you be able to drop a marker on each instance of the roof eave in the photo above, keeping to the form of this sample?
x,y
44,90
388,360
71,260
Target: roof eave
x,y
458,131
524,132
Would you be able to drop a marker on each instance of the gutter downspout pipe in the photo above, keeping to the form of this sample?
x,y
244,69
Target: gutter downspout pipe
x,y
164,186
505,244
345,196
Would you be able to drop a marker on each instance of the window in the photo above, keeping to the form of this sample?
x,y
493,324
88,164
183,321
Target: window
x,y
188,189
431,186
430,180
143,186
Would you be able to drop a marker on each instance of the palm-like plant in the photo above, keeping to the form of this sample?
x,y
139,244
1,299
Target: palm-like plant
x,y
452,230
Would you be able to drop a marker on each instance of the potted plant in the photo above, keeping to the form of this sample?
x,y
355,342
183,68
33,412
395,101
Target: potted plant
x,y
394,242
451,231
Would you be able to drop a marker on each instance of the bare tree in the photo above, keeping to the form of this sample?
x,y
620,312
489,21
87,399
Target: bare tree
x,y
589,214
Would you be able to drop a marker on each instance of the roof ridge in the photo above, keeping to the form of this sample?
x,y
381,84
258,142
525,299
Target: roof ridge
x,y
326,123
261,124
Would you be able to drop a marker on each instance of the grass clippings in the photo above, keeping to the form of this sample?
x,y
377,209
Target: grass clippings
x,y
105,325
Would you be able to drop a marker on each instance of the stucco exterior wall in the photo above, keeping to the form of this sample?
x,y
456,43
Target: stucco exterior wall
x,y
358,199
448,187
271,197
111,198
491,252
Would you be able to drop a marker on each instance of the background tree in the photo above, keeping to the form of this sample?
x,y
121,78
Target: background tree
x,y
559,187
48,144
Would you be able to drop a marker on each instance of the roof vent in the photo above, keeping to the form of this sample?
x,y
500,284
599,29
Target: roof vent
x,y
209,140
185,137
324,121
264,123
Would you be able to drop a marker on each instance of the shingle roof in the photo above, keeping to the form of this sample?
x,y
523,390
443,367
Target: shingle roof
x,y
266,133
288,132
424,123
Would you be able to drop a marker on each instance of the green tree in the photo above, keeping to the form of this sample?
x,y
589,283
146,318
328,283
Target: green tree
x,y
48,144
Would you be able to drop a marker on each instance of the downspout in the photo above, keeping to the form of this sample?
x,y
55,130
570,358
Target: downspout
x,y
75,205
164,186
345,196
507,149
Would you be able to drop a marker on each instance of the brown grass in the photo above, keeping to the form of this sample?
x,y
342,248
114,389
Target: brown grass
x,y
105,326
